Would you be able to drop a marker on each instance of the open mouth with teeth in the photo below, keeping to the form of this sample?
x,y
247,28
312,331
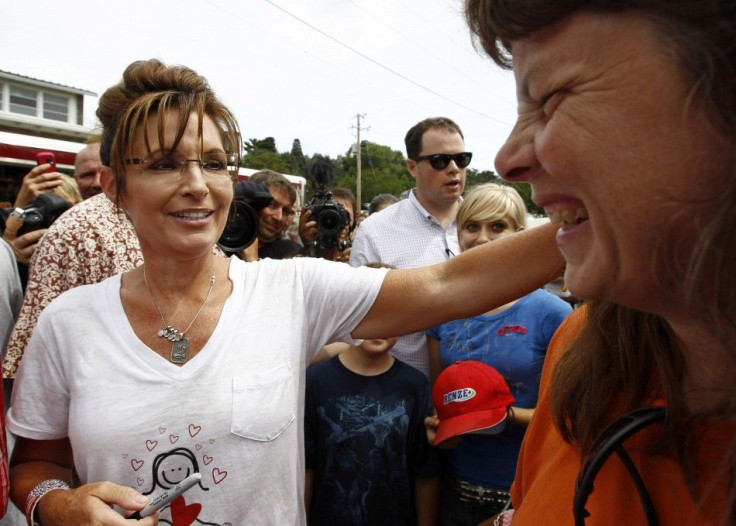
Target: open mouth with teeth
x,y
569,218
193,215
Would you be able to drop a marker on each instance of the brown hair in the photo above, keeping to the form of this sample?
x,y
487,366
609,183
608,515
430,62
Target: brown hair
x,y
380,202
347,195
624,358
275,180
413,139
151,88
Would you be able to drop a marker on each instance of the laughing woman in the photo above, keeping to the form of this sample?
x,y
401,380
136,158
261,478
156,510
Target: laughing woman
x,y
626,132
181,365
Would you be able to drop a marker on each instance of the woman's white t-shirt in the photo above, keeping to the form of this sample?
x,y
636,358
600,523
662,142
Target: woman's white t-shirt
x,y
234,412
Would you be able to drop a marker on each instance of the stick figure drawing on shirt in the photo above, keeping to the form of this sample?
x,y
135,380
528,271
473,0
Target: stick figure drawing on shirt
x,y
170,468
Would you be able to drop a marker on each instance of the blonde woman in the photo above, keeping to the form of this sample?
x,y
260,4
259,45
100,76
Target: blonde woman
x,y
512,338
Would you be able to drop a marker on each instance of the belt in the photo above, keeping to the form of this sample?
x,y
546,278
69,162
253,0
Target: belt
x,y
479,495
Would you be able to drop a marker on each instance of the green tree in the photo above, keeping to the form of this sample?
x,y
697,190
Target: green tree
x,y
297,161
474,177
262,153
261,159
525,189
268,144
383,170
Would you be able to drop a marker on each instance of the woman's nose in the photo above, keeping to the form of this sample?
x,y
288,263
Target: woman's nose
x,y
483,237
516,159
194,178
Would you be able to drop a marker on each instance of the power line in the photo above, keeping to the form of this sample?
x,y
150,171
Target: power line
x,y
417,44
382,66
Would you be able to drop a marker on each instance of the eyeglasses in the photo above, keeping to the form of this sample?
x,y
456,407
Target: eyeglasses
x,y
216,166
440,161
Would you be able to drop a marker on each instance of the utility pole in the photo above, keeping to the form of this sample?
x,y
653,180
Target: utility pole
x,y
357,157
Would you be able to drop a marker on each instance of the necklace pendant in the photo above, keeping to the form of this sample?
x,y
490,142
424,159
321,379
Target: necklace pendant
x,y
170,333
180,350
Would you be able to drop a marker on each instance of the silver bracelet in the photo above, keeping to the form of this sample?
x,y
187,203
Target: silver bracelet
x,y
18,213
35,495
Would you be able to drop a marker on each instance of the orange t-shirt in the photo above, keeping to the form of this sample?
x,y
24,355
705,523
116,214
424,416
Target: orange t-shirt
x,y
547,470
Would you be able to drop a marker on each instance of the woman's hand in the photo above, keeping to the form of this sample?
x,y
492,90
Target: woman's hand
x,y
35,183
91,504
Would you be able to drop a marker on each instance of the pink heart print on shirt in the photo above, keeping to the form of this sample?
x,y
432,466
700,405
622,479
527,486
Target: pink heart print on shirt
x,y
194,430
218,475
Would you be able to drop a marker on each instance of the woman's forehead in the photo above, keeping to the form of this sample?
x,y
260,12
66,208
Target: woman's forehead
x,y
169,125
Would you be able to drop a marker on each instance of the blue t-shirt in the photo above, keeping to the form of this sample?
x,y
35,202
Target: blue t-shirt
x,y
365,439
514,342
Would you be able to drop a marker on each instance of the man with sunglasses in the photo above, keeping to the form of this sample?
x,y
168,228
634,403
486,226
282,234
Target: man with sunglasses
x,y
419,230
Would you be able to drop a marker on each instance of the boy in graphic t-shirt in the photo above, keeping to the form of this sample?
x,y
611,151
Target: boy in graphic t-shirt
x,y
367,456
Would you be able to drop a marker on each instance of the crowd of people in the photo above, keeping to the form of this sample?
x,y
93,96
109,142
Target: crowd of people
x,y
300,376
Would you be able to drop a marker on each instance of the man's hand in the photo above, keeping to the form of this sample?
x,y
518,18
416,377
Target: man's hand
x,y
308,230
250,253
25,245
343,255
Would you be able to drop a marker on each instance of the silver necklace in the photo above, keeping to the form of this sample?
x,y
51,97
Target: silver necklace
x,y
179,344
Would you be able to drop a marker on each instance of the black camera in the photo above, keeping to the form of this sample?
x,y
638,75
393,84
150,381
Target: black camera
x,y
41,213
241,228
331,217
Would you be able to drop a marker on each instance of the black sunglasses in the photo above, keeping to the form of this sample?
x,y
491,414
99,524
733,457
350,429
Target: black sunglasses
x,y
439,161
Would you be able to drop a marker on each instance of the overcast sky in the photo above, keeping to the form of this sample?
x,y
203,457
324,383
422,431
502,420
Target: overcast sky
x,y
287,68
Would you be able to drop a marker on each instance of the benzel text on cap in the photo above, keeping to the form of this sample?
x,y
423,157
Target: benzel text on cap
x,y
458,395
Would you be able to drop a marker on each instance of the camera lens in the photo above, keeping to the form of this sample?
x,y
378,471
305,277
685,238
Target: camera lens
x,y
241,228
329,222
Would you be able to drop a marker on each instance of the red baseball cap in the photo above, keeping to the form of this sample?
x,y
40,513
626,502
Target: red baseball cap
x,y
470,396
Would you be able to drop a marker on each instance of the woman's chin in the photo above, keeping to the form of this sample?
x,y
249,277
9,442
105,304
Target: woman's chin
x,y
582,282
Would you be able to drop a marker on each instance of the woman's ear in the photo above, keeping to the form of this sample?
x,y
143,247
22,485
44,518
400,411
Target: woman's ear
x,y
109,184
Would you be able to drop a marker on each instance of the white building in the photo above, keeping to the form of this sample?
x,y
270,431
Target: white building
x,y
35,116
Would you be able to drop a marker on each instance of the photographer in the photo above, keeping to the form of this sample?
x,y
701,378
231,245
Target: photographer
x,y
274,219
327,222
309,232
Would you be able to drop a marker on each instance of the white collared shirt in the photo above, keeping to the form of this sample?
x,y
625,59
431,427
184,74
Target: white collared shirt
x,y
405,235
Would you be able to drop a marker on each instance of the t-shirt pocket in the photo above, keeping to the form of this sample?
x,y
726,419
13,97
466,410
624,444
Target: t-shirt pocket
x,y
264,404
